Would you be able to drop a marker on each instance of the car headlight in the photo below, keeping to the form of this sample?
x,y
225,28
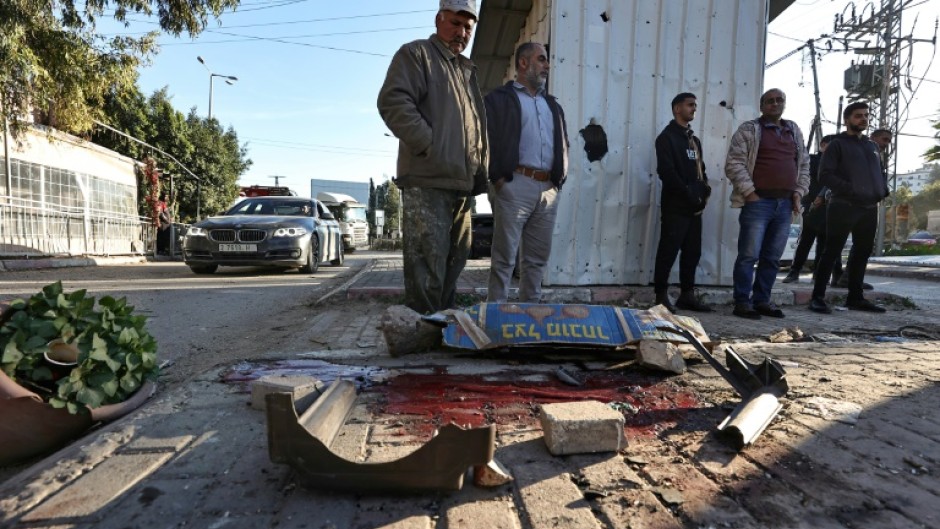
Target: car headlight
x,y
196,232
290,232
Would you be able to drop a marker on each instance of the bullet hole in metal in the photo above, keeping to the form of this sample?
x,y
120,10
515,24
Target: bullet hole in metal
x,y
595,141
604,17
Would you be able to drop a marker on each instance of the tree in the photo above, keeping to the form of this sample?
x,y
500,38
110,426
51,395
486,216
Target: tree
x,y
933,153
934,175
392,206
213,154
54,64
370,211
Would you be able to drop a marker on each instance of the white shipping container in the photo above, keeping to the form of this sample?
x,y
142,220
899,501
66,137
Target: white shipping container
x,y
617,64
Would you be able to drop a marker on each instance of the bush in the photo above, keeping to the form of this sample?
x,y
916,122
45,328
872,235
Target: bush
x,y
913,249
116,353
387,245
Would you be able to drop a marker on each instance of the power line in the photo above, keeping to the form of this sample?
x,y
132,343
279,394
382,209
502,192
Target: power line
x,y
287,142
291,36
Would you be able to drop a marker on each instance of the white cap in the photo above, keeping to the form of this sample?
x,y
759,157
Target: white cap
x,y
457,6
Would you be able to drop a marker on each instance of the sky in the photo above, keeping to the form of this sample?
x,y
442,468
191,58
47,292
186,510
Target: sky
x,y
309,72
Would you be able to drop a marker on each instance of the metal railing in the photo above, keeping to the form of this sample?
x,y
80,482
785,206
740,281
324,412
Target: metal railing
x,y
30,228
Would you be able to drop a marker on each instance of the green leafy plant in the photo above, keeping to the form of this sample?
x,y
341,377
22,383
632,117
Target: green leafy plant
x,y
116,353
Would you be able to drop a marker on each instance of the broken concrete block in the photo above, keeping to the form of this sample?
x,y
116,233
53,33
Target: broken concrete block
x,y
582,428
405,332
491,474
664,356
305,389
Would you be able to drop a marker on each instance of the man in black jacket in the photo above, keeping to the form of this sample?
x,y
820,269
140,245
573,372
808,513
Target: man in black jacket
x,y
851,168
685,192
814,221
528,165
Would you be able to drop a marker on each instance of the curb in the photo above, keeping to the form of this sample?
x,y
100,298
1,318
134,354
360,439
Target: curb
x,y
67,262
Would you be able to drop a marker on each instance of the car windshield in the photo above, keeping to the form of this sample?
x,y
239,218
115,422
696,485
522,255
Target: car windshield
x,y
922,235
286,208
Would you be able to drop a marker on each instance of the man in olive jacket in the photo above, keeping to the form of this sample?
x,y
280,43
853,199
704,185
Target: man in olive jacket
x,y
432,103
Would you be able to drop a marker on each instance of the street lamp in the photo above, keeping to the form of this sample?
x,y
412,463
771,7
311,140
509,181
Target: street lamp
x,y
229,79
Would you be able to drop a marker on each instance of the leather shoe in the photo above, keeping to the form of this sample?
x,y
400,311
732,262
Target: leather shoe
x,y
746,311
688,301
820,306
768,309
865,305
663,299
792,278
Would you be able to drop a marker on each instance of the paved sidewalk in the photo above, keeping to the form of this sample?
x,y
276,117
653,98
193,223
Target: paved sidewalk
x,y
855,446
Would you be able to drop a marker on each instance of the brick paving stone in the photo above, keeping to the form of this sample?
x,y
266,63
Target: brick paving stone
x,y
393,513
90,493
309,509
550,499
171,501
704,503
475,508
607,472
636,509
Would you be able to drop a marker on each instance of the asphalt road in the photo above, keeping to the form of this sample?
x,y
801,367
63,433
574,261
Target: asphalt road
x,y
199,320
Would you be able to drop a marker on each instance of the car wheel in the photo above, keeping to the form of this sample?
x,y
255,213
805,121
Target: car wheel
x,y
313,257
339,256
203,269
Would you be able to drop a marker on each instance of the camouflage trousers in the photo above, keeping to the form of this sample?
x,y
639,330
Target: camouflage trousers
x,y
436,243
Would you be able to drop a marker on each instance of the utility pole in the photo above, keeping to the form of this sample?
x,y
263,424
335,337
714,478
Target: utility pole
x,y
878,79
277,179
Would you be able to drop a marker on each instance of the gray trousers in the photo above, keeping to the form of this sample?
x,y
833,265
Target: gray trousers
x,y
523,212
436,243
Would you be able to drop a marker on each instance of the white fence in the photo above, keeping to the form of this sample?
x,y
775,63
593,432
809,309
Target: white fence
x,y
30,228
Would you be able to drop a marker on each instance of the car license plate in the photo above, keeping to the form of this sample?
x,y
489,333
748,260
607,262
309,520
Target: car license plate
x,y
238,247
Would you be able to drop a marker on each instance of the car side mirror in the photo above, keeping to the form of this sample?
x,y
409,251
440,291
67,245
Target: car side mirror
x,y
327,216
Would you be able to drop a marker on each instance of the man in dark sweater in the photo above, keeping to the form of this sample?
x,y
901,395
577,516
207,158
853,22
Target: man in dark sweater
x,y
851,168
685,192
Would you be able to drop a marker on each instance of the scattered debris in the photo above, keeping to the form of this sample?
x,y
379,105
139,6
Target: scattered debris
x,y
406,332
499,325
760,385
492,474
303,443
582,428
567,377
660,355
832,409
916,465
669,495
593,494
636,460
826,337
786,335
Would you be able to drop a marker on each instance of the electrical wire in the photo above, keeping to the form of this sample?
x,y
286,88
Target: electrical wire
x,y
291,36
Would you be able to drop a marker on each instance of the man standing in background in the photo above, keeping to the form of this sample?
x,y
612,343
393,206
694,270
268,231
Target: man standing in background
x,y
528,166
432,102
768,166
851,168
684,195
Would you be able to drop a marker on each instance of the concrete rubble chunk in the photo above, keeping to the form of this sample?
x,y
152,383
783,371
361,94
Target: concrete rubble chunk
x,y
663,356
582,428
492,474
405,332
305,389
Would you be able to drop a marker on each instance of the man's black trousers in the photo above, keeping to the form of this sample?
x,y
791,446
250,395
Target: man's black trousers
x,y
841,220
678,233
813,229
